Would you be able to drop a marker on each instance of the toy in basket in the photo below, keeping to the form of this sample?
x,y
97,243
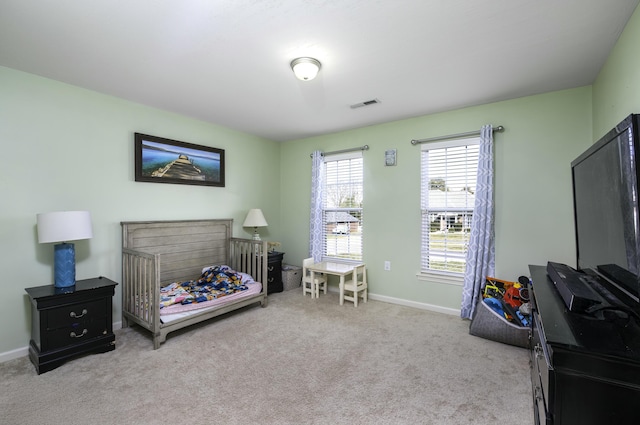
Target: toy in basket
x,y
503,313
506,298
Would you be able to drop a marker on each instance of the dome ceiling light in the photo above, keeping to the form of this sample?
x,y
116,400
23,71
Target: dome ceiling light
x,y
305,69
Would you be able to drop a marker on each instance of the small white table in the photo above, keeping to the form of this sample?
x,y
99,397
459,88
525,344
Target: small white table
x,y
333,268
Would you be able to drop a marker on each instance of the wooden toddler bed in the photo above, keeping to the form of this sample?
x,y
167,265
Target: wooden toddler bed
x,y
159,253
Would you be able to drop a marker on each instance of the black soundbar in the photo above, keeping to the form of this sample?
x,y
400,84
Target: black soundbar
x,y
622,277
574,287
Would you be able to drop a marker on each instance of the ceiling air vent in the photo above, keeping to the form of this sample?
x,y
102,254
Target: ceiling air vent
x,y
365,103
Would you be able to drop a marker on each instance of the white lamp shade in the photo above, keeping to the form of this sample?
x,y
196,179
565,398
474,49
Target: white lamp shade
x,y
64,226
255,218
305,69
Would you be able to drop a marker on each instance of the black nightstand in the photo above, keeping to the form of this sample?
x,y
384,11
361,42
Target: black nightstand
x,y
274,272
66,322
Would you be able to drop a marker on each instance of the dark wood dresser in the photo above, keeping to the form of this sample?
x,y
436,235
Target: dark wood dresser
x,y
585,368
274,272
66,322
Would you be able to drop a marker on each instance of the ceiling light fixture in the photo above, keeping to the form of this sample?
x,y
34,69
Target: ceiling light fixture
x,y
305,69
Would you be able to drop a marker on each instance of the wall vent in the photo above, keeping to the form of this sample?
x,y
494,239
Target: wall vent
x,y
365,103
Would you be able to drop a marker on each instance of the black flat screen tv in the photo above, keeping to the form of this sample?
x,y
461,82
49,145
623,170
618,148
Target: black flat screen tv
x,y
605,200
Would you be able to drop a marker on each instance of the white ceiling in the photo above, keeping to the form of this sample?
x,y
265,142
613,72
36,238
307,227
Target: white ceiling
x,y
227,61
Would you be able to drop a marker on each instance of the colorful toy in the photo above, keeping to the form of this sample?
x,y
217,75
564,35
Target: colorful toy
x,y
512,295
508,299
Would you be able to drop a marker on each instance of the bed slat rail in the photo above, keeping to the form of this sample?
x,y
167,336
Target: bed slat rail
x,y
141,272
246,255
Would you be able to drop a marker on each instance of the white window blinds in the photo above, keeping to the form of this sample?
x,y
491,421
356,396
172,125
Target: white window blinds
x,y
342,206
448,184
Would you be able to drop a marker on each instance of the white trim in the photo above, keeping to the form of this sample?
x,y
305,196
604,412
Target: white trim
x,y
415,304
443,278
340,260
24,351
14,354
407,303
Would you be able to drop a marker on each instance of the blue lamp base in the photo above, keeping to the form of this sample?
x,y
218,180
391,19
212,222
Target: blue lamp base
x,y
64,265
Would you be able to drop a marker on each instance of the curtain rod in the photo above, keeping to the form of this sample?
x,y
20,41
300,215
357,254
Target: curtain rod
x,y
499,129
361,148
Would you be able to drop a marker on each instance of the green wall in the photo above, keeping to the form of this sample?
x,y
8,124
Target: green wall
x,y
534,216
65,148
616,91
533,190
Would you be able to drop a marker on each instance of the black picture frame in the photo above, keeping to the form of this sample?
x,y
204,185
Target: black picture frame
x,y
161,160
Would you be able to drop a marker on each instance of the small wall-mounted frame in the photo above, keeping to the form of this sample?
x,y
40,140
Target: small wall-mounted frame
x,y
390,157
161,160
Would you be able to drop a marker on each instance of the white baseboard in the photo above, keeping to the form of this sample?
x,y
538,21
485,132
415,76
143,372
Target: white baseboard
x,y
408,303
24,351
414,304
14,354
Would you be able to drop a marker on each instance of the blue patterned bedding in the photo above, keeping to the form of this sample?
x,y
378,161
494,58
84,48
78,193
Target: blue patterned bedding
x,y
215,282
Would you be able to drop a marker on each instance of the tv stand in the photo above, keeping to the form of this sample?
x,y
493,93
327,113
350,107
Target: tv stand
x,y
584,370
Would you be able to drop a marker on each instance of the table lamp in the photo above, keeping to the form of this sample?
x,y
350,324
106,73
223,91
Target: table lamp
x,y
255,219
64,226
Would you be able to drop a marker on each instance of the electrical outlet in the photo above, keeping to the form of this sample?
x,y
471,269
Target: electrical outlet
x,y
387,265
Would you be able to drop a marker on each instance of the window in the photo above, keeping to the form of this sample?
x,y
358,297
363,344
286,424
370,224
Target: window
x,y
342,206
448,181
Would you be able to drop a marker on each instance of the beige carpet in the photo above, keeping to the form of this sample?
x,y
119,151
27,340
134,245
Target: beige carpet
x,y
297,361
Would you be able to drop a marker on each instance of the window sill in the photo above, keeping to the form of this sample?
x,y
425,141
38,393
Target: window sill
x,y
341,260
441,278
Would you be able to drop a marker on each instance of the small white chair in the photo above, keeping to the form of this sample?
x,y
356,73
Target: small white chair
x,y
357,286
319,280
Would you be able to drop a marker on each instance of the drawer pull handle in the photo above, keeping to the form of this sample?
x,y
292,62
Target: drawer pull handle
x,y
538,393
538,351
73,334
73,313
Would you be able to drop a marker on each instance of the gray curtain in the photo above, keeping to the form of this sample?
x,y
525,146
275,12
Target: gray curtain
x,y
316,228
481,251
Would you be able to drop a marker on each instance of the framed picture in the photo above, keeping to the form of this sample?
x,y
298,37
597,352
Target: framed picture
x,y
161,160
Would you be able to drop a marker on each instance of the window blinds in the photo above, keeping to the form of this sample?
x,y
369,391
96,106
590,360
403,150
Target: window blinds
x,y
448,180
342,206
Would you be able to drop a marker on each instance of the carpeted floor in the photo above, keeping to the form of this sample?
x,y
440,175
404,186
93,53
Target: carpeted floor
x,y
297,361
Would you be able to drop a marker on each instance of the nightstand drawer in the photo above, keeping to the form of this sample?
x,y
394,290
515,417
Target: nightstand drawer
x,y
274,272
76,313
69,323
73,334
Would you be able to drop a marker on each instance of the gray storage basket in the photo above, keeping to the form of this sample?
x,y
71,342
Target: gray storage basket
x,y
291,276
488,324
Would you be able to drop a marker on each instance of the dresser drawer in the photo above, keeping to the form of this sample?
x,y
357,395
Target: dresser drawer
x,y
274,272
69,323
75,333
71,314
539,410
542,374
